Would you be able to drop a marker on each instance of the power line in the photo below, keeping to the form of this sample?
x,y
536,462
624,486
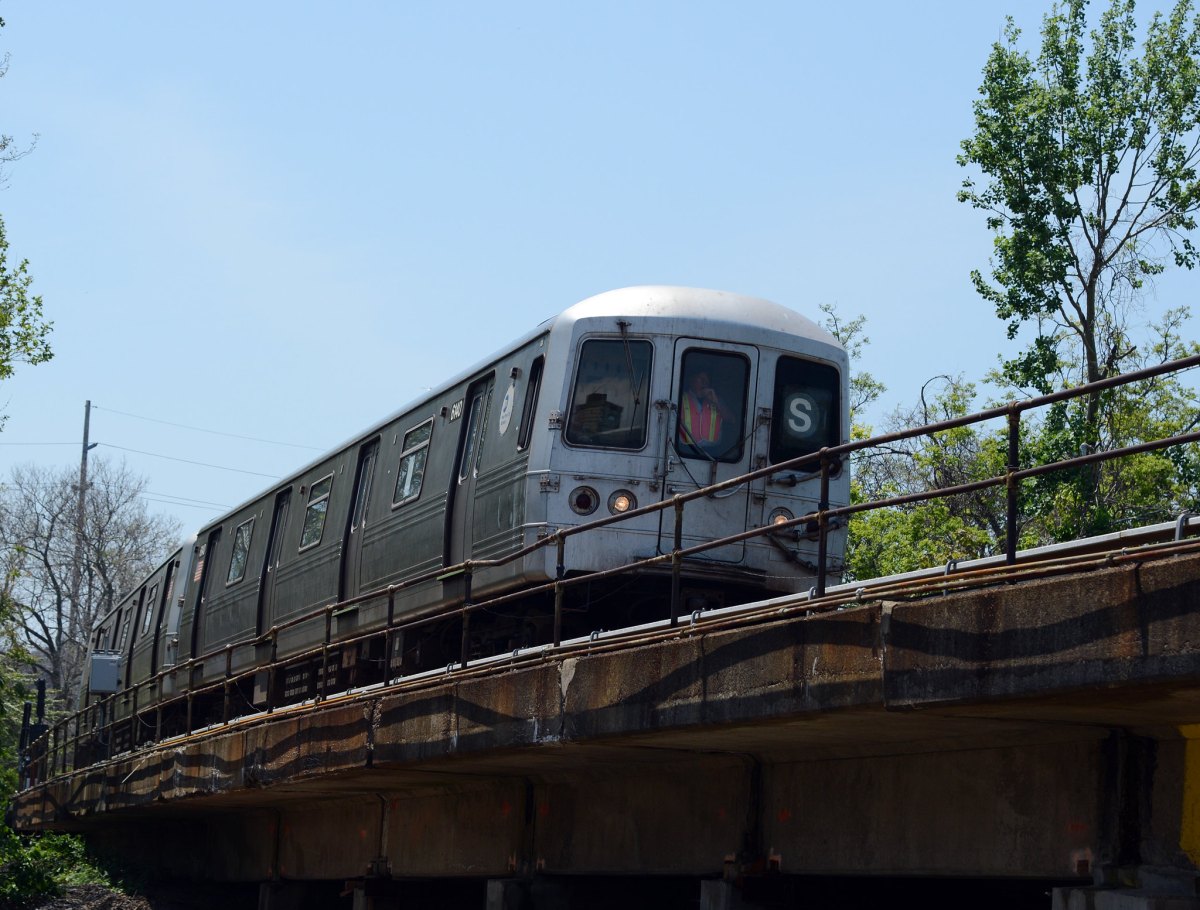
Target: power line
x,y
185,426
186,499
203,464
186,505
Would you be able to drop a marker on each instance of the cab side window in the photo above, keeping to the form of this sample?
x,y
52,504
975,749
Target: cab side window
x,y
531,399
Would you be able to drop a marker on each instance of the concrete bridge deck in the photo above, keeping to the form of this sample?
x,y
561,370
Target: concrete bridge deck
x,y
1041,725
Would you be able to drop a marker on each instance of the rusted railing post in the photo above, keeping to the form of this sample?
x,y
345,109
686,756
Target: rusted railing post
x,y
134,725
110,725
321,685
389,636
228,674
676,561
560,569
464,651
1014,465
272,669
823,526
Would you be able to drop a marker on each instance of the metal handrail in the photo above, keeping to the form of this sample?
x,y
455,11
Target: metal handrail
x,y
57,745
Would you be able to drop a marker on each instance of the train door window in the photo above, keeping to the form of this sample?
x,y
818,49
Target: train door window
x,y
711,421
241,552
314,514
412,463
474,419
148,614
531,399
806,409
610,399
125,623
116,628
274,554
362,484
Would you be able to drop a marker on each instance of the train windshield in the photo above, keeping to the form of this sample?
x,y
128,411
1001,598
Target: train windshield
x,y
712,406
611,396
806,409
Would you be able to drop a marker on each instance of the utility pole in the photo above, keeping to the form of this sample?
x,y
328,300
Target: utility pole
x,y
80,523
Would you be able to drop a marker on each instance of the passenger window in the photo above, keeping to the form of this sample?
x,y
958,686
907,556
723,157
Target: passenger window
x,y
531,400
314,515
610,400
412,463
711,421
806,409
149,609
241,551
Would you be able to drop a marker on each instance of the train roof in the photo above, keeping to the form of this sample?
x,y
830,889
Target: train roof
x,y
658,301
665,301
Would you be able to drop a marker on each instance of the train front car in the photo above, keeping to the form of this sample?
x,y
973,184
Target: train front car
x,y
665,390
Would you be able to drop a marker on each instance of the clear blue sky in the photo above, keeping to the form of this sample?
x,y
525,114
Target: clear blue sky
x,y
283,220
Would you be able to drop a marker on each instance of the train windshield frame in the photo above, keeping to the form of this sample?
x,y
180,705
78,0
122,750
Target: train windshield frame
x,y
610,398
807,408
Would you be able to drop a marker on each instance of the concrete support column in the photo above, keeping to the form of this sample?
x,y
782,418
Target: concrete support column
x,y
280,895
539,893
508,894
366,897
721,894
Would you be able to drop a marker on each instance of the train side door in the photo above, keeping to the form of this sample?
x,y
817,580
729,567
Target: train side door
x,y
712,438
130,635
270,569
357,521
160,619
460,508
204,570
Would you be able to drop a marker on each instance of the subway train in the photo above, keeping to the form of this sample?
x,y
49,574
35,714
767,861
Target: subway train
x,y
627,399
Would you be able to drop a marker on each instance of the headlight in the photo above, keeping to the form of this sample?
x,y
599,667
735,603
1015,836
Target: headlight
x,y
621,501
584,500
780,517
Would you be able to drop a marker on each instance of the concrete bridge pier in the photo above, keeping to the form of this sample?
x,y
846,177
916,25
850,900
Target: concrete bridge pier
x,y
1149,817
538,893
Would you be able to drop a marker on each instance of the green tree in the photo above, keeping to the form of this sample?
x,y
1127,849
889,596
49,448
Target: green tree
x,y
24,333
1090,154
1141,489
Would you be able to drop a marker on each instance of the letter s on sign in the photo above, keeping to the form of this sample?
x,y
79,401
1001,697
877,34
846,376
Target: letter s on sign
x,y
800,420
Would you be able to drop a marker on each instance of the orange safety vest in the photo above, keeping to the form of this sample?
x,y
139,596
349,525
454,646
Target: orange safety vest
x,y
701,421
